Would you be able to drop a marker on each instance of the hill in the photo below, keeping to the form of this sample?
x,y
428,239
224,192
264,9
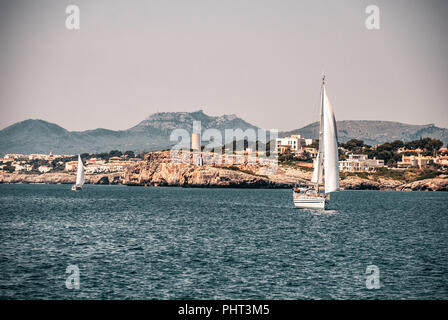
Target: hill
x,y
153,133
376,132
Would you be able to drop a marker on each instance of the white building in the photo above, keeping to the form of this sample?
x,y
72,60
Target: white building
x,y
44,169
360,163
13,156
292,143
91,169
18,167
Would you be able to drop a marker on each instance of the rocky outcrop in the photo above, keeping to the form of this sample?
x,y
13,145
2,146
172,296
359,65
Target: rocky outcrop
x,y
435,184
357,183
158,170
58,178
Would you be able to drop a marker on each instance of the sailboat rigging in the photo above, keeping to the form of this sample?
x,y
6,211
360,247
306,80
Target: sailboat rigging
x,y
326,164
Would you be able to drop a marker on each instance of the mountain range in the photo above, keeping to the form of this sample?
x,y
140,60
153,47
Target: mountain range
x,y
376,132
153,133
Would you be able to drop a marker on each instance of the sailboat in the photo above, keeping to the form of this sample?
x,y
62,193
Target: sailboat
x,y
79,176
326,164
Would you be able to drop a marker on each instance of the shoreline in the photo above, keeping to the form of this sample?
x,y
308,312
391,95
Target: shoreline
x,y
218,187
243,181
157,170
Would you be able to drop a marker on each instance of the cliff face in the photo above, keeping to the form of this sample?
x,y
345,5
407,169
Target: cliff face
x,y
157,170
435,184
356,183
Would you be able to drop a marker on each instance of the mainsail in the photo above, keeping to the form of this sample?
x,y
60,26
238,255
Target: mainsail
x,y
330,141
80,173
326,163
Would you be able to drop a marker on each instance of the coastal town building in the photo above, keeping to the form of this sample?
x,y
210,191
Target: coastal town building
x,y
35,156
360,163
18,167
71,165
404,150
291,144
311,151
94,165
44,169
415,161
442,160
14,156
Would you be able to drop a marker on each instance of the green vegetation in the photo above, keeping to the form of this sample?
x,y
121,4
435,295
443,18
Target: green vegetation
x,y
9,168
427,174
409,175
130,154
389,173
389,150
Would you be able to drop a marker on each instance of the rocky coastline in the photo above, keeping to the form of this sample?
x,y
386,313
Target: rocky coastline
x,y
158,170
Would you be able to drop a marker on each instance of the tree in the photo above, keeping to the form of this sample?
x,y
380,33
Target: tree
x,y
115,153
141,155
341,155
385,155
306,157
284,157
385,147
433,144
9,168
353,144
429,144
397,144
130,154
104,156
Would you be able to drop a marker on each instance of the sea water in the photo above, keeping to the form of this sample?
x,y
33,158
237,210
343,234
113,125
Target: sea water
x,y
188,243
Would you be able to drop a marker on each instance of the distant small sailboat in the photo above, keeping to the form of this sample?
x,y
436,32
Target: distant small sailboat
x,y
326,164
79,176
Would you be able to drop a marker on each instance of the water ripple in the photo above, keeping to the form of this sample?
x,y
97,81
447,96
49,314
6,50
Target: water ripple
x,y
174,243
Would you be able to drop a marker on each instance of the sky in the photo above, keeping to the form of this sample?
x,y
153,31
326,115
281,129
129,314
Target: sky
x,y
259,59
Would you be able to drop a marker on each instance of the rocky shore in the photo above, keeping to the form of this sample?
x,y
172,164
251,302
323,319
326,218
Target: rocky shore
x,y
158,170
58,178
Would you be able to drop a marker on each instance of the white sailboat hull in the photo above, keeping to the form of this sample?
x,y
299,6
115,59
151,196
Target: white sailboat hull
x,y
306,202
76,187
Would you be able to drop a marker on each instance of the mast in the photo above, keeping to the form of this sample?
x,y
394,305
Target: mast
x,y
321,136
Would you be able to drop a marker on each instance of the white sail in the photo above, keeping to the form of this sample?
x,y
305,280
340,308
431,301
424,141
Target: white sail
x,y
330,140
317,173
80,173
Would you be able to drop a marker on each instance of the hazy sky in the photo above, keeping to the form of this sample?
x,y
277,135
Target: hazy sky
x,y
259,59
